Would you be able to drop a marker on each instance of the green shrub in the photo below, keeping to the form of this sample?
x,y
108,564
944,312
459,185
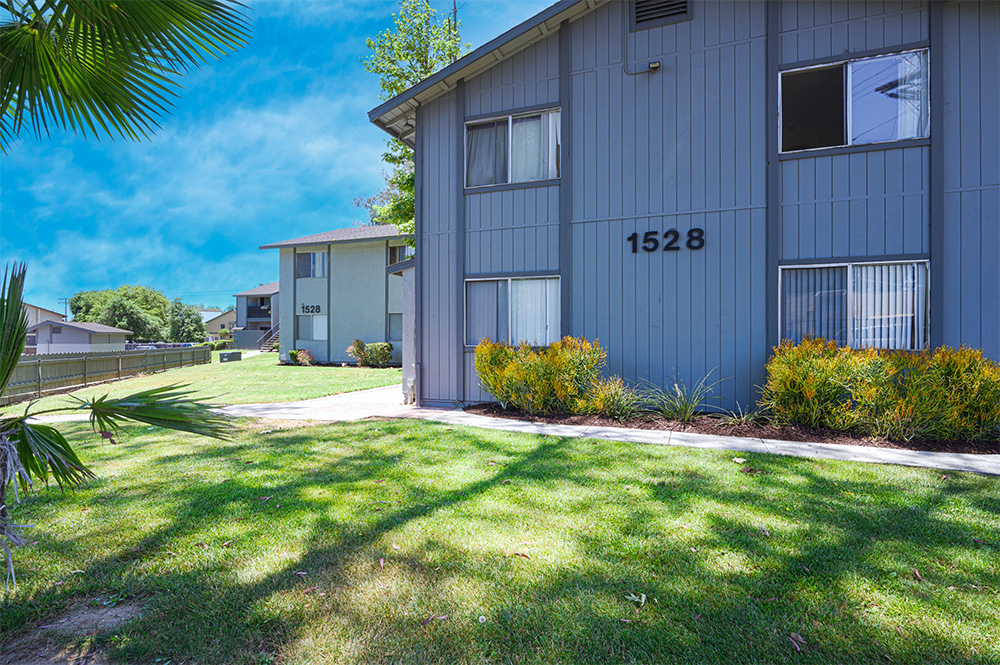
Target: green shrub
x,y
613,399
379,353
945,394
558,379
373,354
677,401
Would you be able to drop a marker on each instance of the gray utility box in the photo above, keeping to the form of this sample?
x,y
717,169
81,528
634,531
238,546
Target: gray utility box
x,y
230,356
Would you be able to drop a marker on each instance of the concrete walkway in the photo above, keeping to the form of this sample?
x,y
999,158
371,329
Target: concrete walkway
x,y
385,402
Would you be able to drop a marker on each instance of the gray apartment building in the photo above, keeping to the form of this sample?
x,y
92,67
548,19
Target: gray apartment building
x,y
692,181
340,286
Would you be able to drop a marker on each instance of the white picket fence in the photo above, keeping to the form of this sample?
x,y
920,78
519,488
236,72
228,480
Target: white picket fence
x,y
38,375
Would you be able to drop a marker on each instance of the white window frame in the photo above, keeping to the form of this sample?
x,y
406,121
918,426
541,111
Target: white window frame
x,y
850,292
510,311
510,147
312,266
312,328
848,93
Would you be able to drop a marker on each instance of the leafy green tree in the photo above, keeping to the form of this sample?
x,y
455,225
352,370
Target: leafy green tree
x,y
127,315
89,305
141,309
30,451
420,44
105,66
186,324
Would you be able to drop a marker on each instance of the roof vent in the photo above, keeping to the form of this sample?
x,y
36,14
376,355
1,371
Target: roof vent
x,y
652,13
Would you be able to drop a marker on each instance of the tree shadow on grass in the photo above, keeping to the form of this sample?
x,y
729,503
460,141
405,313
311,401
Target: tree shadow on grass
x,y
736,563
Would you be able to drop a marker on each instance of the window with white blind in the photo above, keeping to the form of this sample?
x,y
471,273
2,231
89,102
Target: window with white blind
x,y
512,310
874,305
514,148
311,327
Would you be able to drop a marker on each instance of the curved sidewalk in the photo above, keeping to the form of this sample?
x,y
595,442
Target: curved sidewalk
x,y
384,402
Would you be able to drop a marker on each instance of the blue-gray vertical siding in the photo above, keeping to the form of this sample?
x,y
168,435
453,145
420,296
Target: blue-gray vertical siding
x,y
686,147
438,227
679,148
970,260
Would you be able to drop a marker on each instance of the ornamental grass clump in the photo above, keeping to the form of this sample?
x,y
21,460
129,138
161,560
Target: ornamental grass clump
x,y
947,394
563,378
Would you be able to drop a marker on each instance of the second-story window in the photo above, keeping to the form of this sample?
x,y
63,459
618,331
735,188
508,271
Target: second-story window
x,y
310,264
869,100
511,149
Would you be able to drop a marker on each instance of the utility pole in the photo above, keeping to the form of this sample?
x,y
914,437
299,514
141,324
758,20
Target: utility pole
x,y
65,304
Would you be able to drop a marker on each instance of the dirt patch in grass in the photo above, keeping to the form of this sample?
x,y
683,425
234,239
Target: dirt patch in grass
x,y
63,640
714,425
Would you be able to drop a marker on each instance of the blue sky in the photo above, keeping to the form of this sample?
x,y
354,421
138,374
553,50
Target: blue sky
x,y
269,144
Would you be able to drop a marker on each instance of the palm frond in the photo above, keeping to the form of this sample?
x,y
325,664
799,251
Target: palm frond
x,y
106,66
13,322
167,406
44,451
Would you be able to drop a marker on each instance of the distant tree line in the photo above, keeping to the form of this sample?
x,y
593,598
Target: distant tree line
x,y
144,311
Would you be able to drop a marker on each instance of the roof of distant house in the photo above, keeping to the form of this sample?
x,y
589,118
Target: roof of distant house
x,y
353,234
262,290
222,314
98,328
208,313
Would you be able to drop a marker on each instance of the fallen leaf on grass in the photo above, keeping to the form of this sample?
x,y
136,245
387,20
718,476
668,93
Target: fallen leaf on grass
x,y
380,480
798,638
764,530
201,545
636,598
625,620
794,644
394,545
300,573
804,568
265,498
310,589
739,460
521,554
227,543
981,542
381,562
916,574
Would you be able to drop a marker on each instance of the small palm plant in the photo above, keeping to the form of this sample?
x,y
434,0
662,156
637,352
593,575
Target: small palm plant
x,y
30,451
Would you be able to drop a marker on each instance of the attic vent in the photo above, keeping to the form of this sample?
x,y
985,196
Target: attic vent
x,y
652,13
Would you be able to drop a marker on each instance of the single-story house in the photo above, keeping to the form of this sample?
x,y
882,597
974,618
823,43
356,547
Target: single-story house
x,y
221,321
77,337
208,313
35,316
690,182
341,288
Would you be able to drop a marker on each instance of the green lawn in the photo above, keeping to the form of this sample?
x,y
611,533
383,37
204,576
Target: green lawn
x,y
391,523
256,379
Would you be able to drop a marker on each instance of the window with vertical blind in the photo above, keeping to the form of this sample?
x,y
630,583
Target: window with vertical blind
x,y
310,264
861,305
512,310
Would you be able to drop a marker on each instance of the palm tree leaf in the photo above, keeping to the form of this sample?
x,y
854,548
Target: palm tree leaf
x,y
167,406
44,451
13,322
106,66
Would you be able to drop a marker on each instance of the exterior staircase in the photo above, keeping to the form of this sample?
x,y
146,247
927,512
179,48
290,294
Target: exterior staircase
x,y
269,340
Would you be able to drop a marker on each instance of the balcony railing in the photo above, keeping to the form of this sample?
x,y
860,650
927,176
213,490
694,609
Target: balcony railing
x,y
256,312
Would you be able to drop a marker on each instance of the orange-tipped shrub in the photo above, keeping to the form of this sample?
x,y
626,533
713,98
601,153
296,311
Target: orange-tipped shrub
x,y
945,394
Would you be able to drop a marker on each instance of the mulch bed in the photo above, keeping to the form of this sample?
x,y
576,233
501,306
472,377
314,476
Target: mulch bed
x,y
709,424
